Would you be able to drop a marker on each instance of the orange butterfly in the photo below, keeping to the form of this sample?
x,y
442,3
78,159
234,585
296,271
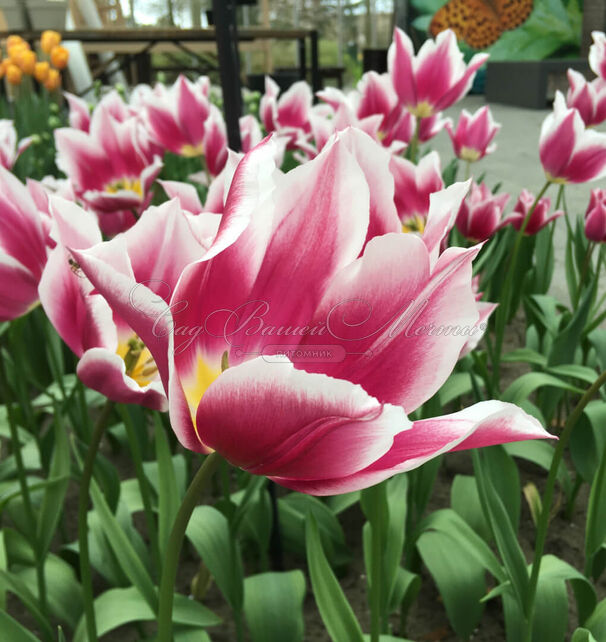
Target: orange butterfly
x,y
480,23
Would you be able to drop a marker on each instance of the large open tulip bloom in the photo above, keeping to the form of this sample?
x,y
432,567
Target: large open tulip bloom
x,y
434,79
332,335
113,166
569,152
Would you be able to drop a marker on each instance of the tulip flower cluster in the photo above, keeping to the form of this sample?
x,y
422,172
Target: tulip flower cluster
x,y
46,67
327,323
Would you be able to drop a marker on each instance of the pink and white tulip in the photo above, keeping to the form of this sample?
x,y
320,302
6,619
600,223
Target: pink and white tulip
x,y
588,98
290,113
113,358
177,119
112,168
481,213
329,419
436,78
539,217
597,54
10,150
23,247
473,136
413,186
595,216
569,152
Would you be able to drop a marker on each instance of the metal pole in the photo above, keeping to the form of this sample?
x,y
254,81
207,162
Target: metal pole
x,y
224,13
316,83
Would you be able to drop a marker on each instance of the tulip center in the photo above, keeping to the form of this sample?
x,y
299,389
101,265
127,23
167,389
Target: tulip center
x,y
138,361
421,110
128,184
415,223
190,151
469,154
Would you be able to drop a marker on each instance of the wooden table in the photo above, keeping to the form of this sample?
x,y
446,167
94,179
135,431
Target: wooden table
x,y
137,44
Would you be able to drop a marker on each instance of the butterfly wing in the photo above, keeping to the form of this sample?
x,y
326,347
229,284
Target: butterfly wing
x,y
512,13
474,21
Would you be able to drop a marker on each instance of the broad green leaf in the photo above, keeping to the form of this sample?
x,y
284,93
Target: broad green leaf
x,y
293,509
120,606
10,583
13,631
336,613
506,481
505,537
596,623
63,589
340,503
405,591
448,522
525,385
574,371
123,549
540,452
460,579
465,501
582,635
208,531
457,385
595,527
588,439
54,494
273,605
525,355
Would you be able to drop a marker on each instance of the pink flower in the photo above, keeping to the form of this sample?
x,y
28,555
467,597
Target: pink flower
x,y
23,247
112,168
113,359
289,114
539,217
413,186
597,54
9,149
569,152
176,119
588,98
434,79
481,213
595,216
474,134
333,417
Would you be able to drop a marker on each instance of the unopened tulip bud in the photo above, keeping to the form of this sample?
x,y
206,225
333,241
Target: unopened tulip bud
x,y
595,216
49,40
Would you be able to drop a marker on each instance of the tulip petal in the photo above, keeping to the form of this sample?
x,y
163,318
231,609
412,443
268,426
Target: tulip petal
x,y
484,424
272,419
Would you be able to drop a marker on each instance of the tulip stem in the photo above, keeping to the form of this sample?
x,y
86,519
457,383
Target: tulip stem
x,y
87,473
175,542
503,310
584,268
543,521
376,499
